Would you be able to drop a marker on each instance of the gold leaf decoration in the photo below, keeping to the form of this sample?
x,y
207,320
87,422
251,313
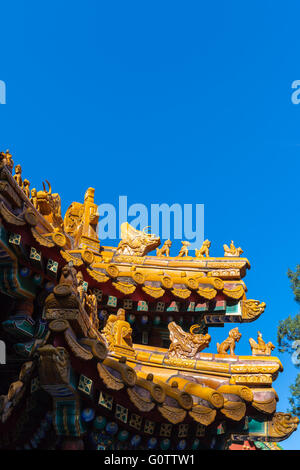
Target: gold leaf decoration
x,y
124,287
41,239
172,414
155,292
202,414
182,293
234,410
207,293
98,276
68,257
110,380
235,293
77,349
268,406
141,403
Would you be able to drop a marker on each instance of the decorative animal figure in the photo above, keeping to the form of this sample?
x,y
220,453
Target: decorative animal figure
x,y
6,159
33,198
118,332
53,365
49,205
165,249
252,309
26,189
186,345
260,348
81,221
136,242
64,295
184,249
18,175
232,250
80,287
68,276
92,309
283,424
73,218
229,343
204,250
8,402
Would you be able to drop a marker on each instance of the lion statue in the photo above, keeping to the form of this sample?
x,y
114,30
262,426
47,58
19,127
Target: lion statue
x,y
204,250
184,251
229,343
165,249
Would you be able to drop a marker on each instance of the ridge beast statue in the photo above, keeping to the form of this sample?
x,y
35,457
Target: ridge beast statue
x,y
260,348
53,366
49,205
232,250
229,343
186,345
165,249
136,242
6,159
204,250
184,251
118,332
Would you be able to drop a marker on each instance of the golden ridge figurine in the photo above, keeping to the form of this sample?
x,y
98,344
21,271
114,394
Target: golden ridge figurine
x,y
229,343
26,189
165,249
184,249
118,332
92,310
204,250
136,242
6,159
260,348
18,176
49,205
80,286
186,345
33,198
232,250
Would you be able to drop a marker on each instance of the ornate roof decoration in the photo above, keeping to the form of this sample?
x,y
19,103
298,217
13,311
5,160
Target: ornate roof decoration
x,y
113,339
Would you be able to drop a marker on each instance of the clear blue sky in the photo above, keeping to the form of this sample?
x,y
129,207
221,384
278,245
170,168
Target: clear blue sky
x,y
186,102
